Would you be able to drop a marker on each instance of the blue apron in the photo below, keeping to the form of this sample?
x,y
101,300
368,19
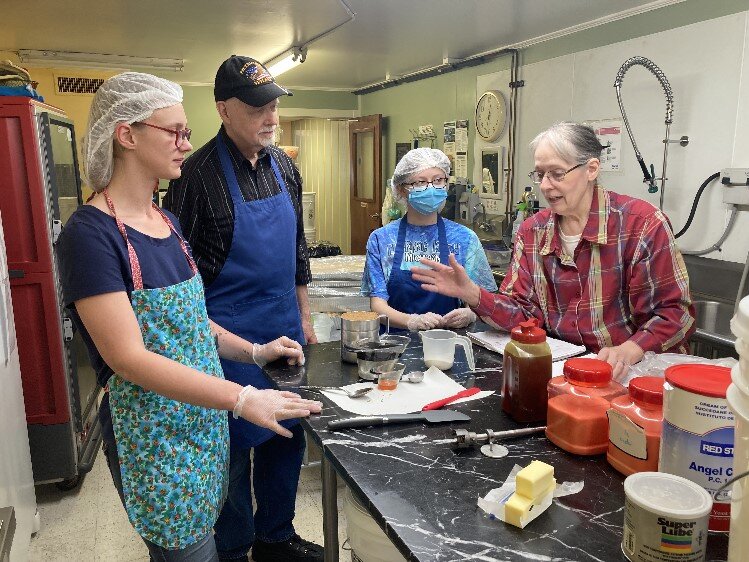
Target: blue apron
x,y
405,294
254,296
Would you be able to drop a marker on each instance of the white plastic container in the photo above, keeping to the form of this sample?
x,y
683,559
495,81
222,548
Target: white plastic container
x,y
738,399
665,518
368,541
698,432
738,545
439,348
740,329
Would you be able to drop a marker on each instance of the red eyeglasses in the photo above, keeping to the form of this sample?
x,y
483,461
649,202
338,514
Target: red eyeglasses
x,y
180,135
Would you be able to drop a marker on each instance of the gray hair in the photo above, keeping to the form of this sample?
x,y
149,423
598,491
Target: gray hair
x,y
573,142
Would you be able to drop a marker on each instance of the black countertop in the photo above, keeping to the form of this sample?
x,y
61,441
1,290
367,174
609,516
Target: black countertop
x,y
424,493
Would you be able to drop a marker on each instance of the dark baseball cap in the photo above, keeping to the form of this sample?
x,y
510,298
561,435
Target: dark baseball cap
x,y
248,80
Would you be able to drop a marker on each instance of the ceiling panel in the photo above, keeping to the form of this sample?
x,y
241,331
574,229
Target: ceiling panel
x,y
387,37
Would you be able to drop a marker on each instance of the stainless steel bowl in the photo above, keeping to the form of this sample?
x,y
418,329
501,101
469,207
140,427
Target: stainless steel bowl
x,y
376,355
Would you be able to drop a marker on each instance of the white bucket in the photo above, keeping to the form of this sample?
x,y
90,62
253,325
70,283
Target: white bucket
x,y
738,545
740,328
368,541
698,432
665,518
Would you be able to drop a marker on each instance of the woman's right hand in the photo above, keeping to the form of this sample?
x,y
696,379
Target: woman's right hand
x,y
267,407
452,280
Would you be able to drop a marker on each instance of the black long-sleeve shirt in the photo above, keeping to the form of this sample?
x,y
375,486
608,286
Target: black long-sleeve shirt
x,y
201,201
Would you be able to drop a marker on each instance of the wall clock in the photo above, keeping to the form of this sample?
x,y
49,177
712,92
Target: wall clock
x,y
491,115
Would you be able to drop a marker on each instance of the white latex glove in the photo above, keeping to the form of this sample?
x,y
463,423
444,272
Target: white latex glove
x,y
425,321
458,318
263,353
267,407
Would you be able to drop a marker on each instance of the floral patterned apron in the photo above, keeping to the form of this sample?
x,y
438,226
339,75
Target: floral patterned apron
x,y
173,456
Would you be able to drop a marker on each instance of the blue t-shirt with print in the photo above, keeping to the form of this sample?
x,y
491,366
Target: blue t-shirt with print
x,y
94,260
422,242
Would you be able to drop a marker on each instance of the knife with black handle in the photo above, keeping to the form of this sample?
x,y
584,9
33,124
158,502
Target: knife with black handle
x,y
432,416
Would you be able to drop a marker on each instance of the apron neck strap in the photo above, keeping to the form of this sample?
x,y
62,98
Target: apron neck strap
x,y
134,263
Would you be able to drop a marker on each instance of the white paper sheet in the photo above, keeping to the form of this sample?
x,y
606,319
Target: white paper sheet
x,y
405,399
496,341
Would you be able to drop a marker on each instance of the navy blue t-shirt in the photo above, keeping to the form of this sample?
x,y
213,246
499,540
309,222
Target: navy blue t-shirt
x,y
94,261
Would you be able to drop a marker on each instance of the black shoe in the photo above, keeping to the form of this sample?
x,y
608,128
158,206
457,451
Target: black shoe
x,y
290,550
245,558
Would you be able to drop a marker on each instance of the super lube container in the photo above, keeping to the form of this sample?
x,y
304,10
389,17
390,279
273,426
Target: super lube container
x,y
698,432
665,518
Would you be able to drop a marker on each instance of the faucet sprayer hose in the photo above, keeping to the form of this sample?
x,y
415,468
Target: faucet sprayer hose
x,y
657,72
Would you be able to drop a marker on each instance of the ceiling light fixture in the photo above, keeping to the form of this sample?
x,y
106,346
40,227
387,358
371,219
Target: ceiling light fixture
x,y
288,61
97,60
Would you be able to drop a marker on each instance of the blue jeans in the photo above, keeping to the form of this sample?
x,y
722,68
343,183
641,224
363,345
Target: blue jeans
x,y
275,479
203,550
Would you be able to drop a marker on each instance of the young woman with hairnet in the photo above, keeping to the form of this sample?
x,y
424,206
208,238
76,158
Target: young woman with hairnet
x,y
421,178
596,268
133,290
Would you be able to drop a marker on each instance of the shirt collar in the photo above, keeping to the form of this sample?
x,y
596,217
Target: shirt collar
x,y
236,154
595,231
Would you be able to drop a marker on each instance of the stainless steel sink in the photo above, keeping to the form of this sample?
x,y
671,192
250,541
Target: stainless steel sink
x,y
713,337
714,317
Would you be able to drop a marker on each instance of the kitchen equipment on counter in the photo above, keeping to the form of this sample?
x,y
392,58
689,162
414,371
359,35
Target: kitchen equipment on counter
x,y
359,325
527,371
635,425
576,418
413,377
665,518
434,416
463,439
376,355
437,404
697,440
356,393
439,348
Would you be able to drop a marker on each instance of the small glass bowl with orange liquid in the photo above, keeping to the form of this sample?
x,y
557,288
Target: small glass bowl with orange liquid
x,y
389,379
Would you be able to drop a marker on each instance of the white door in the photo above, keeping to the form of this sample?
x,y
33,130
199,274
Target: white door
x,y
16,477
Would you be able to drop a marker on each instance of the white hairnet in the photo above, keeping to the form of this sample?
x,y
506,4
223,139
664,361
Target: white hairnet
x,y
124,98
418,160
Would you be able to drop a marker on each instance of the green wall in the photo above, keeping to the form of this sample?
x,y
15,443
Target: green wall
x,y
452,96
204,121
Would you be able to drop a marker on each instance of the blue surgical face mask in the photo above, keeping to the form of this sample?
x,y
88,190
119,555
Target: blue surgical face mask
x,y
427,201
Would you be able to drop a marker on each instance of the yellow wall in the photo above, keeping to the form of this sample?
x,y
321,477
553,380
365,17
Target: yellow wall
x,y
324,164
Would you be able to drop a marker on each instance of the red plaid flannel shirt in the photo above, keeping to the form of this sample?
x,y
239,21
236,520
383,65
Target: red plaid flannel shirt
x,y
627,280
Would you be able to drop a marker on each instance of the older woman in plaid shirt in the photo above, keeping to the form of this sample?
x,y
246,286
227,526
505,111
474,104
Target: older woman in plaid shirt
x,y
596,268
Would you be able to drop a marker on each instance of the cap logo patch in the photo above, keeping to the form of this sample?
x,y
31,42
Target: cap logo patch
x,y
256,73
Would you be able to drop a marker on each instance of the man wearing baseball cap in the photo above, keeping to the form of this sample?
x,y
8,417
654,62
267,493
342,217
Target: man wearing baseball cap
x,y
239,203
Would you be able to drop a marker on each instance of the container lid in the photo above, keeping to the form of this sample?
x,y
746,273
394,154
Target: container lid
x,y
668,495
647,389
528,332
587,370
740,322
708,380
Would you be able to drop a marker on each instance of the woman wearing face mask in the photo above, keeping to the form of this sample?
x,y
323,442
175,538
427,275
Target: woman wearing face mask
x,y
421,178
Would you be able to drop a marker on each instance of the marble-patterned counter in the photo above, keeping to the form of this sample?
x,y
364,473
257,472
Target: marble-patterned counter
x,y
423,493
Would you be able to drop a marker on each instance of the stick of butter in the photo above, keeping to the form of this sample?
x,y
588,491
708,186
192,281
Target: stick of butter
x,y
534,479
519,508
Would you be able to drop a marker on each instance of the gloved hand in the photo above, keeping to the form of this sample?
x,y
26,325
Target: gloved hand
x,y
425,321
267,407
263,353
458,318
